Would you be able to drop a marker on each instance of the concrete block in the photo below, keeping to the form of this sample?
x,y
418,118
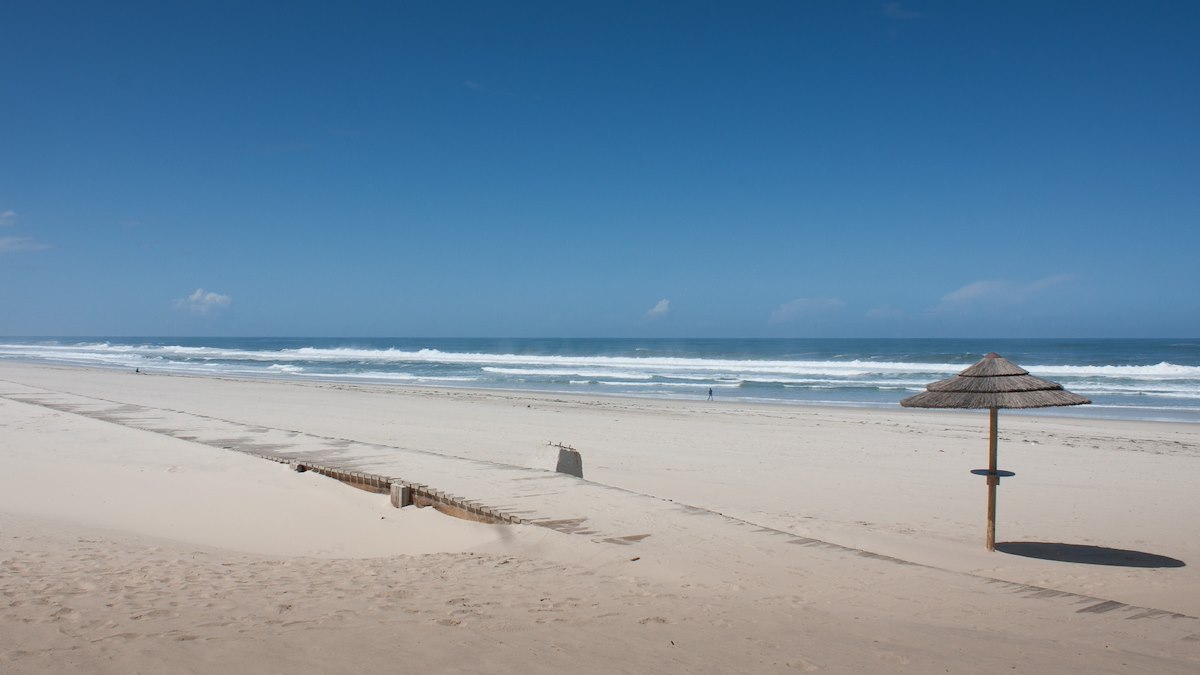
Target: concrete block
x,y
569,462
401,495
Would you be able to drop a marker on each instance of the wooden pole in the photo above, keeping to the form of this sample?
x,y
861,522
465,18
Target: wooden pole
x,y
992,480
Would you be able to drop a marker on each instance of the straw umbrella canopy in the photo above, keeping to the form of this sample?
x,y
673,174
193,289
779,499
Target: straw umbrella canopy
x,y
993,383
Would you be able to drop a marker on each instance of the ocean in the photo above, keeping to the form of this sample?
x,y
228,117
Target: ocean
x,y
1144,379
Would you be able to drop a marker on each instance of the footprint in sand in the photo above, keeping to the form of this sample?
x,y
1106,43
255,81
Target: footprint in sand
x,y
65,614
118,636
151,614
894,658
654,619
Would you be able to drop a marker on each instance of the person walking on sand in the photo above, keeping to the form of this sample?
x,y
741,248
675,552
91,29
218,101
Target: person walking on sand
x,y
710,393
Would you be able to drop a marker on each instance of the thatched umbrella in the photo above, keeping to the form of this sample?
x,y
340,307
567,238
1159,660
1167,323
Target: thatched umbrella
x,y
993,383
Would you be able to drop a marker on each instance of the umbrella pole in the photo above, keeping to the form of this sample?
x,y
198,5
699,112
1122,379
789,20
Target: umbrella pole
x,y
992,481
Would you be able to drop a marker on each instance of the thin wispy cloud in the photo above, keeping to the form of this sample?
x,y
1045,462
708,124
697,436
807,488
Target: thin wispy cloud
x,y
999,292
978,290
204,302
473,85
803,307
893,10
660,309
16,244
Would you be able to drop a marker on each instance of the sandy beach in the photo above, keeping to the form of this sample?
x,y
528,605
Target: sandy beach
x,y
706,537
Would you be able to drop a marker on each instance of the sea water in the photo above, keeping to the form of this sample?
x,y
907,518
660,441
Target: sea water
x,y
1147,379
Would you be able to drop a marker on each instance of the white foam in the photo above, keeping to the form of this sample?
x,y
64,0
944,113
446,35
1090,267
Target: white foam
x,y
399,377
1162,370
640,367
567,372
672,385
1159,389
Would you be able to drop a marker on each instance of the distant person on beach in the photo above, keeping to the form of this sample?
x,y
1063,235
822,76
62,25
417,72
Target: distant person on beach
x,y
710,393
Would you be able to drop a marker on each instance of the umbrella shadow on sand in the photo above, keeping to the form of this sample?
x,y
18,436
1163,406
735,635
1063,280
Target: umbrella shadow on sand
x,y
1086,554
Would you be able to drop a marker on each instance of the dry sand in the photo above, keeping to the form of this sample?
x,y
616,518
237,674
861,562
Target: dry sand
x,y
132,550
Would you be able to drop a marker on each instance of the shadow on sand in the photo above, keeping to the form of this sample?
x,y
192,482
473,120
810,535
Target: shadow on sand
x,y
1087,555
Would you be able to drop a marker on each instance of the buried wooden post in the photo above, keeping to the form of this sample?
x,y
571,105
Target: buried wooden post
x,y
401,495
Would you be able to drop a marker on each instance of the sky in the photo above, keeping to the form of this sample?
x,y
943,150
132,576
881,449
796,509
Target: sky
x,y
600,169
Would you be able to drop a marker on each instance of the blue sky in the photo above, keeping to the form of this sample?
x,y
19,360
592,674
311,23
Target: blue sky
x,y
773,169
